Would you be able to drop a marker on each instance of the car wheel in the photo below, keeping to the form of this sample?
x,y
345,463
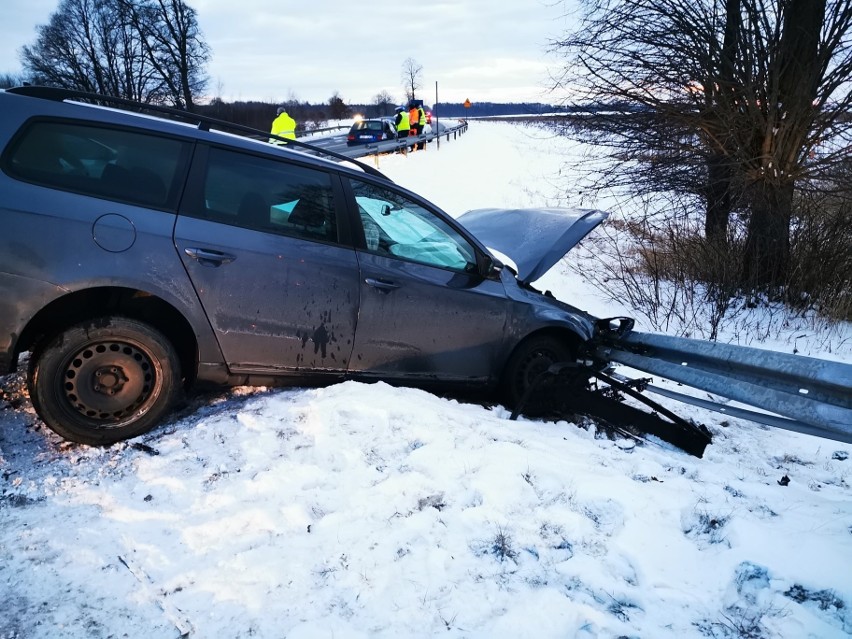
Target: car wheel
x,y
530,359
104,381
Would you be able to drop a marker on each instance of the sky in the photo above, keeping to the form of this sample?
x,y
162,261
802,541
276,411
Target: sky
x,y
364,511
480,50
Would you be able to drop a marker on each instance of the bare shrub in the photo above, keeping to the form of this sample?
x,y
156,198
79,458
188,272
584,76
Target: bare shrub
x,y
502,546
666,270
669,273
821,258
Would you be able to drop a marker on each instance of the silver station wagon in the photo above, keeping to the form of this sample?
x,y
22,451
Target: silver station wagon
x,y
145,250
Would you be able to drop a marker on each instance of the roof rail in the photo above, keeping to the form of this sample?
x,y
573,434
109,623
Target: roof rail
x,y
203,122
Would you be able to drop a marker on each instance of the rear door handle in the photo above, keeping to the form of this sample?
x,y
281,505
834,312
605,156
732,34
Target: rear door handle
x,y
382,285
206,257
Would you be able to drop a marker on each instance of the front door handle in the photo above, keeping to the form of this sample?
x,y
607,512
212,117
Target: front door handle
x,y
382,285
206,257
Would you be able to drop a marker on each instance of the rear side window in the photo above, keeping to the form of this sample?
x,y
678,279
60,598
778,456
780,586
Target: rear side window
x,y
267,195
116,164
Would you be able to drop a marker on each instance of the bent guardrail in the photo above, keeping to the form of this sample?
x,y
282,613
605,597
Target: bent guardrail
x,y
810,395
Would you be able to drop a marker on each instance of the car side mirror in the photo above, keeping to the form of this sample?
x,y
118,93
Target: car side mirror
x,y
489,267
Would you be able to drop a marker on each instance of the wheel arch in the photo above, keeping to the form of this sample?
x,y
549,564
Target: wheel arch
x,y
531,356
92,303
563,334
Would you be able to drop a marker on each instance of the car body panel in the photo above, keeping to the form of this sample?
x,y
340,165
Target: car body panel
x,y
20,299
424,322
67,257
535,239
534,311
281,304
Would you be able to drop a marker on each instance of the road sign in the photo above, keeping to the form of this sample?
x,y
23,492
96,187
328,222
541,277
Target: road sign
x,y
467,104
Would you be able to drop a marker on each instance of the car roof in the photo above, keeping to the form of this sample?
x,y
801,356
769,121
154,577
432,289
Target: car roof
x,y
161,119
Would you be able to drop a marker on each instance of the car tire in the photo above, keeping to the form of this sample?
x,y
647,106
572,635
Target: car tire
x,y
529,360
104,381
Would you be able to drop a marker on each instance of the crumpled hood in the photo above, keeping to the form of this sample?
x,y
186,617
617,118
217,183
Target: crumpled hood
x,y
535,239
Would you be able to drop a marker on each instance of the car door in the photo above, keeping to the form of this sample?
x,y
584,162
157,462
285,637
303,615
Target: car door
x,y
426,313
261,242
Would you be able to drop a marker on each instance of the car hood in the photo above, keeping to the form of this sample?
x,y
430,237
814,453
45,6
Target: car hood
x,y
535,239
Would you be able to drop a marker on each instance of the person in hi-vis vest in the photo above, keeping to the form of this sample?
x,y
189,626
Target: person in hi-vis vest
x,y
283,125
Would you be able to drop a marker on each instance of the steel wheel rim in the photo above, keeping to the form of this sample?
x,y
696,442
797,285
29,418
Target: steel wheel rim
x,y
534,365
108,381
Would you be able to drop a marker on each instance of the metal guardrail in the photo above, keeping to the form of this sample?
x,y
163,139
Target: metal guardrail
x,y
391,146
810,395
306,133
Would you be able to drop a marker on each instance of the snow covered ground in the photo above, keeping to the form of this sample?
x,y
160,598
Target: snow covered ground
x,y
369,511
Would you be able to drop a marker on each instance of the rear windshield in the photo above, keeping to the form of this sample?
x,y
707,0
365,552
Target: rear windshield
x,y
369,125
128,166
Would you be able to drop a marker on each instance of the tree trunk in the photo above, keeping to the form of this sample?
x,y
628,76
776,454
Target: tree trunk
x,y
720,89
718,199
767,250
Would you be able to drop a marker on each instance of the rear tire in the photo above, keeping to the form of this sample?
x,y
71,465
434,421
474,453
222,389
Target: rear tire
x,y
530,359
104,381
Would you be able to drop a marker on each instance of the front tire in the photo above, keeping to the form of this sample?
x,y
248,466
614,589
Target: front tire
x,y
104,381
530,359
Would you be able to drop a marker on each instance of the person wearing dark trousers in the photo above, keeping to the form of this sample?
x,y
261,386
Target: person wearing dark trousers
x,y
403,124
421,124
414,122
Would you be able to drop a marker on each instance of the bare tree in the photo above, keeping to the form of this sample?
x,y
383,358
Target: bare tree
x,y
740,103
86,46
146,50
383,101
8,80
173,45
412,77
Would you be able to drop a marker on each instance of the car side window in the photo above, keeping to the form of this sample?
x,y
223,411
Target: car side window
x,y
268,195
116,164
397,226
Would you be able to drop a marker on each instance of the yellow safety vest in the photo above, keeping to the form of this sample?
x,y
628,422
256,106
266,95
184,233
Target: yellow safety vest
x,y
285,126
403,124
422,116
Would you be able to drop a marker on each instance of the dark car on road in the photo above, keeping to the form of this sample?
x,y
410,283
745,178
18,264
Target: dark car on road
x,y
370,131
144,253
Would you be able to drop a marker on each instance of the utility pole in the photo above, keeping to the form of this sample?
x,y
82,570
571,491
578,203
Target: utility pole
x,y
435,128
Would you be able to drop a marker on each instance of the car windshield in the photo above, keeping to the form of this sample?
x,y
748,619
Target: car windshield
x,y
409,231
371,125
